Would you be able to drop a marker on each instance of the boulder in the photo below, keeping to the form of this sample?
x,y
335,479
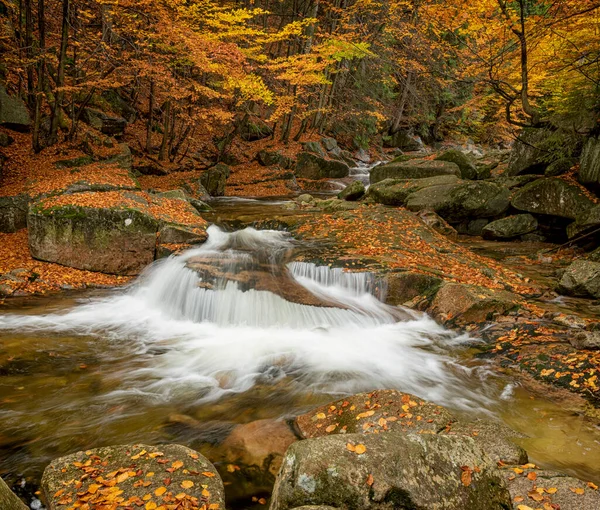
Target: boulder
x,y
133,476
594,256
311,166
510,227
408,285
396,191
515,181
13,213
463,304
176,234
552,490
553,197
473,227
8,499
403,140
315,148
527,156
559,167
461,201
581,279
352,192
413,169
585,339
214,179
113,126
437,223
589,171
468,170
329,143
272,158
586,222
13,112
6,140
390,471
255,129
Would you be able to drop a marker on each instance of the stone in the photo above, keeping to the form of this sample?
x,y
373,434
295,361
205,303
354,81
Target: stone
x,y
462,201
311,166
121,156
305,199
199,205
272,158
354,191
68,478
178,194
458,303
585,223
13,112
559,167
214,179
564,498
75,162
594,256
409,471
396,191
484,171
552,196
6,140
589,171
408,285
510,227
585,340
13,213
515,181
349,415
468,170
113,126
581,279
175,234
255,129
261,444
8,499
151,168
527,155
403,140
413,169
315,148
329,143
437,223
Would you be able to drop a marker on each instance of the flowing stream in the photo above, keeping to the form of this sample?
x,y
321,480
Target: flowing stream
x,y
233,331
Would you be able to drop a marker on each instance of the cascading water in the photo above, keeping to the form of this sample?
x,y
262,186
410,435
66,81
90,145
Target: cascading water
x,y
236,313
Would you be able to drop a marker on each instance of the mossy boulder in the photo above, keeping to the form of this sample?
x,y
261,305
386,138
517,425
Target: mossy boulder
x,y
552,197
13,213
413,169
8,499
274,158
468,170
133,476
315,148
396,191
254,129
559,167
510,227
214,179
389,471
403,140
109,125
311,166
587,222
581,279
462,201
408,285
13,112
589,172
354,191
528,155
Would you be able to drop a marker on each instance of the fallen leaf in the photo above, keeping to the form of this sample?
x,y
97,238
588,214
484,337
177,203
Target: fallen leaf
x,y
187,484
160,491
370,480
360,449
465,476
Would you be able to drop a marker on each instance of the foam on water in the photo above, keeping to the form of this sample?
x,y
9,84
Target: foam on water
x,y
206,339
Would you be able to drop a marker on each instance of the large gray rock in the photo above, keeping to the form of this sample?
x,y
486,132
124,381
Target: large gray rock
x,y
311,166
527,156
585,339
272,158
396,191
315,148
587,222
125,475
582,278
13,112
468,170
462,201
8,499
553,197
214,179
403,140
510,227
13,213
589,171
390,471
413,169
354,191
113,126
408,285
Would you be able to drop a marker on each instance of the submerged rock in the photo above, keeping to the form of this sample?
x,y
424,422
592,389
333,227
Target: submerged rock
x,y
413,169
352,192
120,475
581,279
389,471
510,227
553,197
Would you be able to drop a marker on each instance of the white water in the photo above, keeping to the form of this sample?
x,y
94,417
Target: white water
x,y
220,340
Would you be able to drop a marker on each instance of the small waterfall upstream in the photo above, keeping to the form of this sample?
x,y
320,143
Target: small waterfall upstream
x,y
239,312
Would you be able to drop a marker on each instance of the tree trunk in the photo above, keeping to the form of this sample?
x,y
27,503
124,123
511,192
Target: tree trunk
x,y
150,114
403,100
60,76
165,138
37,117
29,52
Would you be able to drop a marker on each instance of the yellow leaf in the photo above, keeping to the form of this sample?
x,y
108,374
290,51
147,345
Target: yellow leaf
x,y
321,416
350,447
151,505
93,488
122,477
551,490
160,491
592,485
205,493
360,449
331,428
208,474
177,464
524,507
187,484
